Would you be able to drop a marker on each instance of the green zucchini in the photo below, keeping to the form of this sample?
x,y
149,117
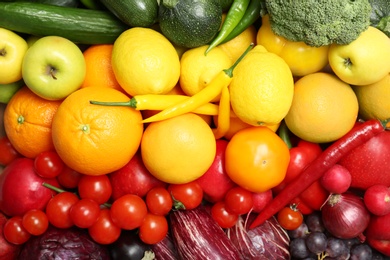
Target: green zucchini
x,y
83,26
135,13
190,23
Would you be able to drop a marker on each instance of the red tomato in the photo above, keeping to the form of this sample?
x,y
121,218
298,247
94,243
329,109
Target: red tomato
x,y
128,211
153,229
58,207
14,232
186,195
290,218
224,218
159,201
35,221
7,152
238,200
104,231
48,164
97,188
69,178
84,213
257,159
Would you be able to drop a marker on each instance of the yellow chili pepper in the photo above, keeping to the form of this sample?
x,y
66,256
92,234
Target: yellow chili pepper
x,y
160,102
212,90
223,123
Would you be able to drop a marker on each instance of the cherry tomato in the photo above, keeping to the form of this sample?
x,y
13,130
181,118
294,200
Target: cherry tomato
x,y
35,221
48,164
186,196
104,231
224,218
159,201
58,208
128,211
84,213
69,178
153,229
238,200
14,232
290,218
97,188
7,151
257,159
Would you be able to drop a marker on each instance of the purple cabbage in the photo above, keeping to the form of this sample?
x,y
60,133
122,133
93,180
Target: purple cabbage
x,y
55,243
267,241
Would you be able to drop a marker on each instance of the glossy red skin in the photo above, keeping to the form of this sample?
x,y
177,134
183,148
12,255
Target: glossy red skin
x,y
7,250
215,182
21,188
133,178
378,233
300,157
369,163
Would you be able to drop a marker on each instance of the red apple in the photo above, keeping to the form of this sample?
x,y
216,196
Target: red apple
x,y
378,233
133,178
215,182
369,163
7,250
21,188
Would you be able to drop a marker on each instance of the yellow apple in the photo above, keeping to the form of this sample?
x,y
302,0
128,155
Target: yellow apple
x,y
364,61
12,50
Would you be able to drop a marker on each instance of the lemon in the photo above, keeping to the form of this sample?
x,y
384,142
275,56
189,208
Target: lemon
x,y
197,70
374,99
262,88
179,149
145,62
324,108
236,46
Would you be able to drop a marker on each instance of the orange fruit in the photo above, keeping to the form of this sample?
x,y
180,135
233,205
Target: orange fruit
x,y
27,122
179,149
324,108
94,139
99,71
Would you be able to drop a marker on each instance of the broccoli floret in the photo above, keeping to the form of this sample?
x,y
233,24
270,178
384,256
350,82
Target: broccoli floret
x,y
319,22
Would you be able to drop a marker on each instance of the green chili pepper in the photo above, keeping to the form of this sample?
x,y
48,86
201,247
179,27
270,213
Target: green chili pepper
x,y
235,14
252,13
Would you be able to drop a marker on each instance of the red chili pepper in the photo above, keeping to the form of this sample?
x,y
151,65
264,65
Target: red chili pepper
x,y
320,165
301,156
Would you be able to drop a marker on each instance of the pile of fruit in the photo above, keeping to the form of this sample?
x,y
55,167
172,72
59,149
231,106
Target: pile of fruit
x,y
181,129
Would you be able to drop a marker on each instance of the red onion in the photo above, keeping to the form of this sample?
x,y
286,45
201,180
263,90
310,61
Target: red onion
x,y
345,216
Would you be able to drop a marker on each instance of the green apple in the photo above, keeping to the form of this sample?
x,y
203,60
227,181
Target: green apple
x,y
53,67
8,90
364,61
12,50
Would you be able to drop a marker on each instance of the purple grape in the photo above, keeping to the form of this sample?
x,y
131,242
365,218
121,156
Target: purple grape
x,y
316,242
361,252
301,231
298,248
336,247
314,222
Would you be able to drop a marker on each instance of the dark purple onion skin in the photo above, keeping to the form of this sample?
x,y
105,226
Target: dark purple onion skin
x,y
55,243
267,241
197,236
345,215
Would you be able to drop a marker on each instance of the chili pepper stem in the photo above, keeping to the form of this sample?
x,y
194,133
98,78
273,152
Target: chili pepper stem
x,y
229,71
131,103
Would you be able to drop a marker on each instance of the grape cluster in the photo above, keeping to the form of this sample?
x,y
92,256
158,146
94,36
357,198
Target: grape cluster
x,y
311,241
